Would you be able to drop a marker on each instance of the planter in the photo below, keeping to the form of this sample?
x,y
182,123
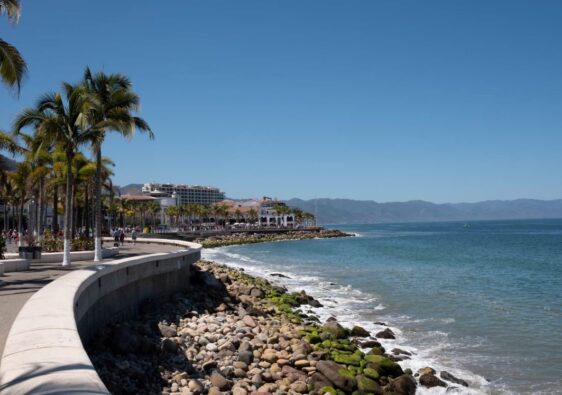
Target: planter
x,y
30,252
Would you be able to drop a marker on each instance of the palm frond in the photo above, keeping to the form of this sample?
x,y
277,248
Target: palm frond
x,y
12,65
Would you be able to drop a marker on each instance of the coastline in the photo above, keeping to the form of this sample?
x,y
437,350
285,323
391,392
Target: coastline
x,y
252,238
241,334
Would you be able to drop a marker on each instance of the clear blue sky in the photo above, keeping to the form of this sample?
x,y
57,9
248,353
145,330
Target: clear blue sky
x,y
445,101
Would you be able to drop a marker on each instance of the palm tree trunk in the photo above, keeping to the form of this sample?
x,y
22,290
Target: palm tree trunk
x,y
6,215
20,224
97,198
87,211
40,209
68,212
55,226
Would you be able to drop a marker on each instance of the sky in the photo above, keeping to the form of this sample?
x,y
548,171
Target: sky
x,y
445,101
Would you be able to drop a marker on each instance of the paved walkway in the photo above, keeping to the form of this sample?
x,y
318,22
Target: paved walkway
x,y
17,287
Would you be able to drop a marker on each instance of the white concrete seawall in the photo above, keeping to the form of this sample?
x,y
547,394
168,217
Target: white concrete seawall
x,y
44,351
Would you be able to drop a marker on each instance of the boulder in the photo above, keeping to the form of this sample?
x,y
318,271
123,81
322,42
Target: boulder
x,y
402,385
359,331
367,385
430,380
337,374
369,344
319,381
449,377
426,370
386,334
383,365
335,330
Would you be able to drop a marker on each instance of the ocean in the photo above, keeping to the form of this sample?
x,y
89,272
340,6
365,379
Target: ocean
x,y
481,300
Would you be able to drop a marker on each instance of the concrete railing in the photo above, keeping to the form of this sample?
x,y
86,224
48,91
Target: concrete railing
x,y
56,257
44,350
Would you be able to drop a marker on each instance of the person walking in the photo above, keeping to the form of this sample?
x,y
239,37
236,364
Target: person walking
x,y
122,236
134,235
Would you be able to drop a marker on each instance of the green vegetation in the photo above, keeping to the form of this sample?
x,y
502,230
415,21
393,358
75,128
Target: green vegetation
x,y
12,64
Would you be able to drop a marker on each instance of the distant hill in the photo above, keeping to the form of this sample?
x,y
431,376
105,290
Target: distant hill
x,y
131,189
347,211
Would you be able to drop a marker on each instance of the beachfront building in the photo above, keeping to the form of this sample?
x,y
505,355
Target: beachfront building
x,y
275,213
184,194
269,212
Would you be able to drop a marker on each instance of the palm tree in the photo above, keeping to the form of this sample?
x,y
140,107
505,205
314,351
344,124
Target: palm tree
x,y
19,178
113,104
12,65
153,209
252,216
59,121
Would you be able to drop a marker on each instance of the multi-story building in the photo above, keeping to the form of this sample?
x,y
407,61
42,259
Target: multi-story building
x,y
184,194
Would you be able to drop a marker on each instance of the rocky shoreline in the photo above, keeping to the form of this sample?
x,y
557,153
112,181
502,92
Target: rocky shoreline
x,y
237,334
251,238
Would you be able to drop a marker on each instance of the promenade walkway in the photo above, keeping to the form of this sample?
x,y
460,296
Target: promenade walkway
x,y
17,287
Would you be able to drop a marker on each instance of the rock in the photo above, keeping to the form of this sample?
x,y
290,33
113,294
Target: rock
x,y
397,351
195,386
370,344
239,391
402,385
167,331
257,379
383,365
301,363
211,347
245,346
282,362
269,356
359,332
314,303
426,370
386,334
246,356
169,346
292,373
319,381
430,380
337,374
256,292
335,330
367,385
299,386
214,391
449,377
240,365
248,320
278,275
240,373
218,380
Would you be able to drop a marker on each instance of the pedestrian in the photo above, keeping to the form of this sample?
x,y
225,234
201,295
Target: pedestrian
x,y
122,237
116,237
134,235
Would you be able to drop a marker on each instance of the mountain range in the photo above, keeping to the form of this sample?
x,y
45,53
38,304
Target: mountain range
x,y
347,211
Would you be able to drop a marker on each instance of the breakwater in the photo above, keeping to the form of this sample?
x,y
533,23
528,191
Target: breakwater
x,y
240,334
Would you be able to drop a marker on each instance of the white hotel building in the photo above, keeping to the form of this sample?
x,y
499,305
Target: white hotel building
x,y
184,194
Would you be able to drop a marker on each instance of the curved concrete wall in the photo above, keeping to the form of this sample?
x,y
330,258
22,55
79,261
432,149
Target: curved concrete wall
x,y
44,351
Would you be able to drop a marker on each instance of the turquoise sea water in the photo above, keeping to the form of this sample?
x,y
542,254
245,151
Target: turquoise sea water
x,y
482,300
